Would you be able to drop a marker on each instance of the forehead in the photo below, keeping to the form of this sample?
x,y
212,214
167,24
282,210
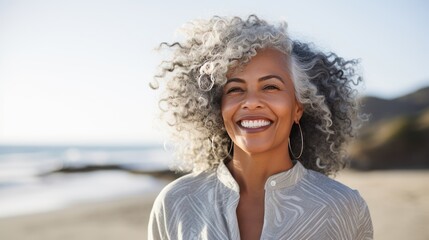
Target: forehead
x,y
266,61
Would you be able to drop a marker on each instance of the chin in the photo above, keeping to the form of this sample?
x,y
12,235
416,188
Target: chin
x,y
255,147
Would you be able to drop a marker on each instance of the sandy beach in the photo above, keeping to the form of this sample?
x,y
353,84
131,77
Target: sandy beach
x,y
398,201
119,219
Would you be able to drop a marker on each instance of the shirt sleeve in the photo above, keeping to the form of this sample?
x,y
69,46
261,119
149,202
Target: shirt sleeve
x,y
157,228
365,228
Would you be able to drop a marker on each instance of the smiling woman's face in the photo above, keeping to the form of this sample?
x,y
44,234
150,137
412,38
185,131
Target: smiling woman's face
x,y
259,104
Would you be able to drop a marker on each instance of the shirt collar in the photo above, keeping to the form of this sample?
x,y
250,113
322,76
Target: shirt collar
x,y
287,178
280,180
225,176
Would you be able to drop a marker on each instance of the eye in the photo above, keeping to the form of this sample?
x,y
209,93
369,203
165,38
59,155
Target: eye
x,y
234,90
271,87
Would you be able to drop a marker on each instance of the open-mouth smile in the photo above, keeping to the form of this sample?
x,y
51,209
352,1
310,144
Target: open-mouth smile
x,y
254,123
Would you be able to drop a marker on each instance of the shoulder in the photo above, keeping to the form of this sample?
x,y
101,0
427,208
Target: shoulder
x,y
333,191
329,185
346,205
192,185
189,184
180,201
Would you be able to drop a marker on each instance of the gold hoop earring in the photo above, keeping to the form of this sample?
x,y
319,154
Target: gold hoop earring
x,y
302,144
230,149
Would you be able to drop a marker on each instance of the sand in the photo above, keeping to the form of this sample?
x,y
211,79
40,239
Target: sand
x,y
398,201
120,219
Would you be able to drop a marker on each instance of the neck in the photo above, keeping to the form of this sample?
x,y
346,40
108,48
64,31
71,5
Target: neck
x,y
251,170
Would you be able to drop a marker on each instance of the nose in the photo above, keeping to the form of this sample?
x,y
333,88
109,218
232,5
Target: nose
x,y
251,101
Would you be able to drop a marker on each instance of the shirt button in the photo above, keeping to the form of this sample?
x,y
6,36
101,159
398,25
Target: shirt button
x,y
273,183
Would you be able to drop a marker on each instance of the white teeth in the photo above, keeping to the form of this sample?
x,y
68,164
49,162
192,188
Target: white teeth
x,y
254,123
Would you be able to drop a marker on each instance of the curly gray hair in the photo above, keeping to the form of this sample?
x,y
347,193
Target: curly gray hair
x,y
325,85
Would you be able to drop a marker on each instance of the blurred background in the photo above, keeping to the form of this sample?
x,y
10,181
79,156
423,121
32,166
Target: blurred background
x,y
81,150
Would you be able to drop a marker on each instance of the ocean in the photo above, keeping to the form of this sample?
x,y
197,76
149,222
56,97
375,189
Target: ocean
x,y
43,178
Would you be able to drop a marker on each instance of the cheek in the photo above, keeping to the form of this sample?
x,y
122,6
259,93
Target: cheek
x,y
283,107
223,110
228,110
227,114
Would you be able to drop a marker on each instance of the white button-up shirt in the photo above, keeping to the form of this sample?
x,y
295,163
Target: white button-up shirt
x,y
299,204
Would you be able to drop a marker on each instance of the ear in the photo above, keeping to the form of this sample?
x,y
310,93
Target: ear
x,y
299,110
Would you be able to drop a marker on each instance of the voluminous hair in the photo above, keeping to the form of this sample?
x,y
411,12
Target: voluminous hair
x,y
194,76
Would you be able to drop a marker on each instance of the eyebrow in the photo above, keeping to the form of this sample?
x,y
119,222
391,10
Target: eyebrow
x,y
264,78
269,77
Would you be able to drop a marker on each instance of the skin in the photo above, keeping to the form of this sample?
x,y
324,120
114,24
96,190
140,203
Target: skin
x,y
261,90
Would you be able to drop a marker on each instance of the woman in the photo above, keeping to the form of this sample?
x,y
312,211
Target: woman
x,y
260,120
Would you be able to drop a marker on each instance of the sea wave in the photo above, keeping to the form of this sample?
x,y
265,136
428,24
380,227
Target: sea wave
x,y
37,179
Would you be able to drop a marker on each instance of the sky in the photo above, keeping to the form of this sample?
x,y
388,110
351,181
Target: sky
x,y
77,72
